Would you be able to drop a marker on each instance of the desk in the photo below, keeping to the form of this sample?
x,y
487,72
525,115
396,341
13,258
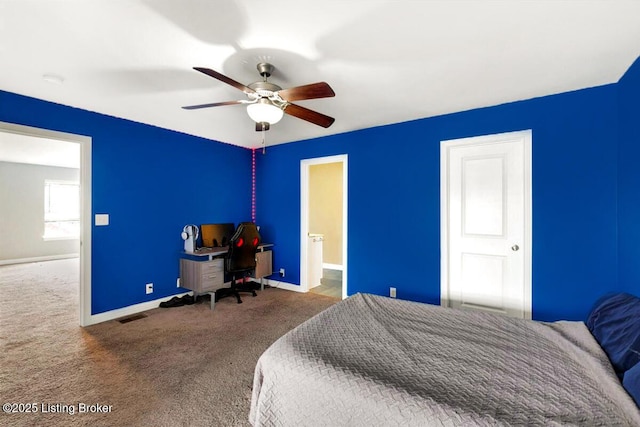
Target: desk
x,y
211,253
206,274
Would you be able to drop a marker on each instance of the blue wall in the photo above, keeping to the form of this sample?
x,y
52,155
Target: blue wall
x,y
143,177
394,187
629,180
151,181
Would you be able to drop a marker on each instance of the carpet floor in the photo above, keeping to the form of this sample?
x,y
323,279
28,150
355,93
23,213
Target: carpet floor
x,y
180,366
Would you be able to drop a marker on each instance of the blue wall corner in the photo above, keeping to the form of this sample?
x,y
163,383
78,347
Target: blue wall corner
x,y
586,192
394,182
629,180
151,182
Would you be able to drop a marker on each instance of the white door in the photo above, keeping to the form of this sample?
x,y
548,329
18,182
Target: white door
x,y
487,223
315,259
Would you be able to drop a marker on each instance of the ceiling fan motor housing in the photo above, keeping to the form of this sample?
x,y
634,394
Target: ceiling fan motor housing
x,y
265,89
265,69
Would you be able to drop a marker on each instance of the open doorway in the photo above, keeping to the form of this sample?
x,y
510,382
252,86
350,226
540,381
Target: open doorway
x,y
323,232
57,167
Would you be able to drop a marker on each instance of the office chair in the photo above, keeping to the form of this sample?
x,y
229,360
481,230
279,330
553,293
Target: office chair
x,y
241,258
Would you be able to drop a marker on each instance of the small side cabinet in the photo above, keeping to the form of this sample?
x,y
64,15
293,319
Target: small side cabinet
x,y
202,276
264,264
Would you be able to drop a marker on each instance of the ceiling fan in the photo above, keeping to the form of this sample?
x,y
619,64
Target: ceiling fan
x,y
267,102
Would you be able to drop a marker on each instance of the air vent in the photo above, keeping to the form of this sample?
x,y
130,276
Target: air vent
x,y
132,318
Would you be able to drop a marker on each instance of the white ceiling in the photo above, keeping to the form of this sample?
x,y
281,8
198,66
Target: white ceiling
x,y
18,148
388,61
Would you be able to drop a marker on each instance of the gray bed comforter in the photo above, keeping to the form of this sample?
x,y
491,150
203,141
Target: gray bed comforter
x,y
376,361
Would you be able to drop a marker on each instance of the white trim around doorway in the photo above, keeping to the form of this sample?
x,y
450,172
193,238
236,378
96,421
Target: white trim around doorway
x,y
304,216
526,136
85,201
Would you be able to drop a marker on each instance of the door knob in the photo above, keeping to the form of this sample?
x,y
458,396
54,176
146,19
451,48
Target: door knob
x,y
515,248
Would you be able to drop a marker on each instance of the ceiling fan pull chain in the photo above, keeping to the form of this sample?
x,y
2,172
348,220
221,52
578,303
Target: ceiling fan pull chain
x,y
264,146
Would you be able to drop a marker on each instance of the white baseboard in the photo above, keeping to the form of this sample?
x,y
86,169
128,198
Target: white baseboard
x,y
37,259
130,310
282,285
149,305
332,266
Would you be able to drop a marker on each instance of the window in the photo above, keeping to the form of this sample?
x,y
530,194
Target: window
x,y
61,210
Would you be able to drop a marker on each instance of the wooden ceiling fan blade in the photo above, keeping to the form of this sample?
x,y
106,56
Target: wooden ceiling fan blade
x,y
310,91
214,104
309,115
224,79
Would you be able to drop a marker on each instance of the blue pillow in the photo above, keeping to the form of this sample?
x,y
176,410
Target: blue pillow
x,y
631,383
615,323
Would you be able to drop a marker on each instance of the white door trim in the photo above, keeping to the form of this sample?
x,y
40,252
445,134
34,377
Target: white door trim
x,y
85,201
445,147
304,216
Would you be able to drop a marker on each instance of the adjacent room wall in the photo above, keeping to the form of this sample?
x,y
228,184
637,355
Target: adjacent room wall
x,y
394,195
629,180
151,181
325,209
22,211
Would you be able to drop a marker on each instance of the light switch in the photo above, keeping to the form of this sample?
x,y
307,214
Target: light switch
x,y
102,219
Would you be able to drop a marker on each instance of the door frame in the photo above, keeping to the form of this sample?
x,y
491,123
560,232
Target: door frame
x,y
85,317
445,148
305,164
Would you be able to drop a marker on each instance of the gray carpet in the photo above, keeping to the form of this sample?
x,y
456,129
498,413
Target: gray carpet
x,y
182,366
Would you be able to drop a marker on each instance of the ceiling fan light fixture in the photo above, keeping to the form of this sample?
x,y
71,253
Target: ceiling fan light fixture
x,y
264,111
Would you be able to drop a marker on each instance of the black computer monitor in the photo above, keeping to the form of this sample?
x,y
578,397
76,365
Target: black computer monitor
x,y
216,235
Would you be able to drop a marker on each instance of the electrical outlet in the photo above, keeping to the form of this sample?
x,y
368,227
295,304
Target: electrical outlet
x,y
149,288
392,292
178,282
282,272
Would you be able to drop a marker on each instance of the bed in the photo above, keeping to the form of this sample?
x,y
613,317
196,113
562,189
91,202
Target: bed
x,y
376,361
